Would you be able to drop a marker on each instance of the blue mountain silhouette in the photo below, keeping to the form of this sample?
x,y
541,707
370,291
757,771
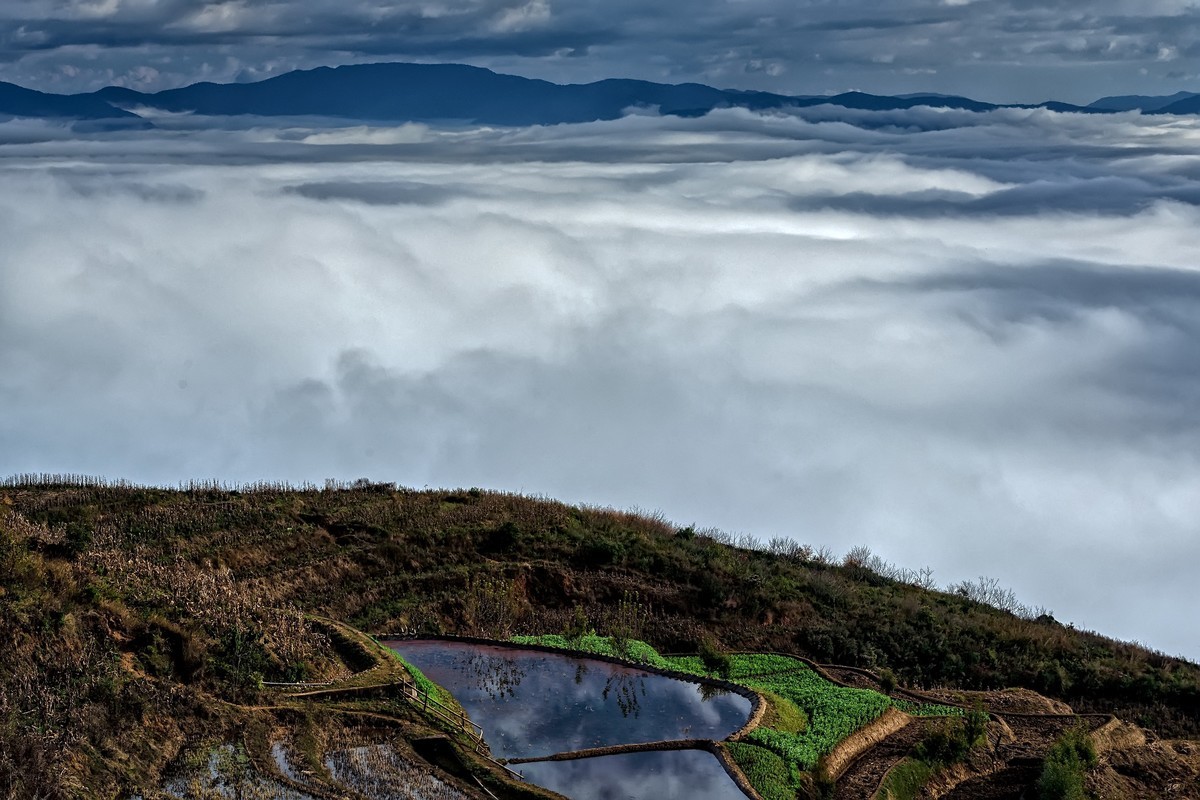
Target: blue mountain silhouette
x,y
17,101
396,92
1138,102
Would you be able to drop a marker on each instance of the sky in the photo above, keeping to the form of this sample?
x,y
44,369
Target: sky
x,y
967,341
993,50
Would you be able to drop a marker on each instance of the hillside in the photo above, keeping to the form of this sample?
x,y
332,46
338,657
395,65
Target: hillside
x,y
141,619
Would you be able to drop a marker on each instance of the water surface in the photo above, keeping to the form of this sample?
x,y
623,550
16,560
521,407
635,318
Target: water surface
x,y
671,775
532,703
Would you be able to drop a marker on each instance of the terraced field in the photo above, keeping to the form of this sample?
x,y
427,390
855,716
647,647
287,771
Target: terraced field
x,y
829,713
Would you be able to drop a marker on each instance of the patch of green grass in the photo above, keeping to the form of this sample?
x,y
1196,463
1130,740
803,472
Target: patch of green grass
x,y
424,684
905,780
635,650
692,665
769,774
783,715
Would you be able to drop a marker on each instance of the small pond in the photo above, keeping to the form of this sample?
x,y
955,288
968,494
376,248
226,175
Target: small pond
x,y
532,703
672,775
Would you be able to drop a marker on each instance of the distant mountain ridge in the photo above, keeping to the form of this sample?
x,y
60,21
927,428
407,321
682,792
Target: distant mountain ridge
x,y
1145,103
17,101
425,92
433,92
404,92
445,92
1188,105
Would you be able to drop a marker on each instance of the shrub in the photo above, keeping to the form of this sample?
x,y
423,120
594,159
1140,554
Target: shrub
x,y
976,725
601,553
946,744
578,627
1066,765
241,658
503,539
715,659
627,622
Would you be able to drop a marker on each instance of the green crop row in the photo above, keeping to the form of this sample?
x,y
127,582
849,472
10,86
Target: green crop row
x,y
926,709
749,664
833,712
634,649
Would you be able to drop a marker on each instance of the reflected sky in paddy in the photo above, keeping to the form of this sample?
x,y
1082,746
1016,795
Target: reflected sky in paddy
x,y
531,703
672,775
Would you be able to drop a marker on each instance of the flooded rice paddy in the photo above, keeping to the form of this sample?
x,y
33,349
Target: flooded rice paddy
x,y
534,704
672,775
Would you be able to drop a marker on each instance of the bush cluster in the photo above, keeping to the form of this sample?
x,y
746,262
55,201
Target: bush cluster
x,y
1066,767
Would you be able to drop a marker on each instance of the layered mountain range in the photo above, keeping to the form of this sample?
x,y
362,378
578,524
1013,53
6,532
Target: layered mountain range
x,y
456,93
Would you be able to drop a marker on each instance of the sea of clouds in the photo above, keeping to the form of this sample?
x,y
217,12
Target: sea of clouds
x,y
969,341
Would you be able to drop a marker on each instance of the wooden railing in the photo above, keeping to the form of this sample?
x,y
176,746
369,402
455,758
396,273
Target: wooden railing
x,y
431,705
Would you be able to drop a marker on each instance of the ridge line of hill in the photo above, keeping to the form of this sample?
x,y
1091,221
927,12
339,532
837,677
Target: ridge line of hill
x,y
409,92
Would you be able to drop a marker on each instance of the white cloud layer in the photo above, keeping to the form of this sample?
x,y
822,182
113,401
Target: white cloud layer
x,y
969,341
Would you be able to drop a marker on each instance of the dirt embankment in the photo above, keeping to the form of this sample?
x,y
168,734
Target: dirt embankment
x,y
1136,766
851,748
1002,701
864,775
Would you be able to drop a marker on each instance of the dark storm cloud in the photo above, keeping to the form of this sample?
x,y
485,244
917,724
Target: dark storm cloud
x,y
995,50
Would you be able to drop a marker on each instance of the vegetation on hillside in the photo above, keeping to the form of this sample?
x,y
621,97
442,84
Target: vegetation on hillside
x,y
135,617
